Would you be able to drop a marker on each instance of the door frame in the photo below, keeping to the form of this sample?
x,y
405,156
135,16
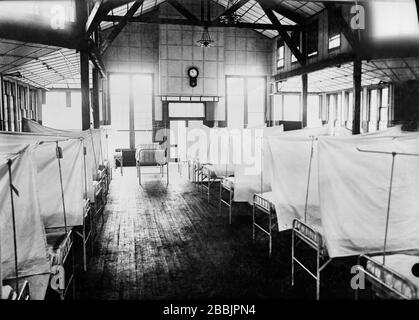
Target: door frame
x,y
167,119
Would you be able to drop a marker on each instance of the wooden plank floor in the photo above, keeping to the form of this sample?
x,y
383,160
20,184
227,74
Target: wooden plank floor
x,y
169,243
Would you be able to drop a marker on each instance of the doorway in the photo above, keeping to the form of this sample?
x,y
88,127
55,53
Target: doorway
x,y
182,116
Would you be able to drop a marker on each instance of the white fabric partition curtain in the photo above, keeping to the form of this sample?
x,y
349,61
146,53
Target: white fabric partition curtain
x,y
345,196
354,191
30,234
291,155
95,142
48,180
251,178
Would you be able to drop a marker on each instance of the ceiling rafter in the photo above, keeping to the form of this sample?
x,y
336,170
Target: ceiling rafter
x,y
214,23
118,28
236,6
182,10
282,32
95,17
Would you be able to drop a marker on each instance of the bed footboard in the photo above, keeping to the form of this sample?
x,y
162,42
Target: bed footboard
x,y
226,186
267,208
386,282
301,232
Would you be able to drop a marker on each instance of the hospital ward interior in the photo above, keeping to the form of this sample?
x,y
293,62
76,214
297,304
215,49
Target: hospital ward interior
x,y
209,149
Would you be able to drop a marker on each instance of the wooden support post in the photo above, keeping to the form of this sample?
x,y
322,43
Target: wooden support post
x,y
16,109
104,97
40,93
304,96
131,114
357,77
95,98
343,109
2,113
85,99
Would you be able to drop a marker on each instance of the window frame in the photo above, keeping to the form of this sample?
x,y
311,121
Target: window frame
x,y
246,109
131,125
280,46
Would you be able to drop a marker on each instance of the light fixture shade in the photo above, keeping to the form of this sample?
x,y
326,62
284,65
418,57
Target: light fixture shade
x,y
205,40
232,18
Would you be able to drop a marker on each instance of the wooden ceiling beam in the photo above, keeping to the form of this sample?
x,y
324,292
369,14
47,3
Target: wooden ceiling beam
x,y
95,17
217,24
96,58
118,28
233,8
282,32
182,10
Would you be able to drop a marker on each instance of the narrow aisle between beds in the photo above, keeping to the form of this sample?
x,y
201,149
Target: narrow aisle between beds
x,y
170,243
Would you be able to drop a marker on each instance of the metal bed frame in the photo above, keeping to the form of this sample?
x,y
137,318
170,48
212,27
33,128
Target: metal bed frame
x,y
387,282
207,180
197,171
85,232
267,208
226,187
118,156
98,207
105,176
303,233
161,166
63,260
22,295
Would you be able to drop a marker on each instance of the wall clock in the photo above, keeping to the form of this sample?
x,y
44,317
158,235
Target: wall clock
x,y
193,76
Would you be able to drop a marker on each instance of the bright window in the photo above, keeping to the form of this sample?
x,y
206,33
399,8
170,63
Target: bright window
x,y
277,107
334,42
186,110
256,96
313,111
280,60
246,101
292,107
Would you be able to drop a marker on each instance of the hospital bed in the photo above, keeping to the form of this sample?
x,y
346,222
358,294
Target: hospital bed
x,y
264,209
61,257
246,182
209,174
86,233
226,188
315,233
152,155
390,276
98,204
36,256
313,237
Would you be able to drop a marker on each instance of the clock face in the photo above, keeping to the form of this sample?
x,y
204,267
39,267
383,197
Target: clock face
x,y
193,72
